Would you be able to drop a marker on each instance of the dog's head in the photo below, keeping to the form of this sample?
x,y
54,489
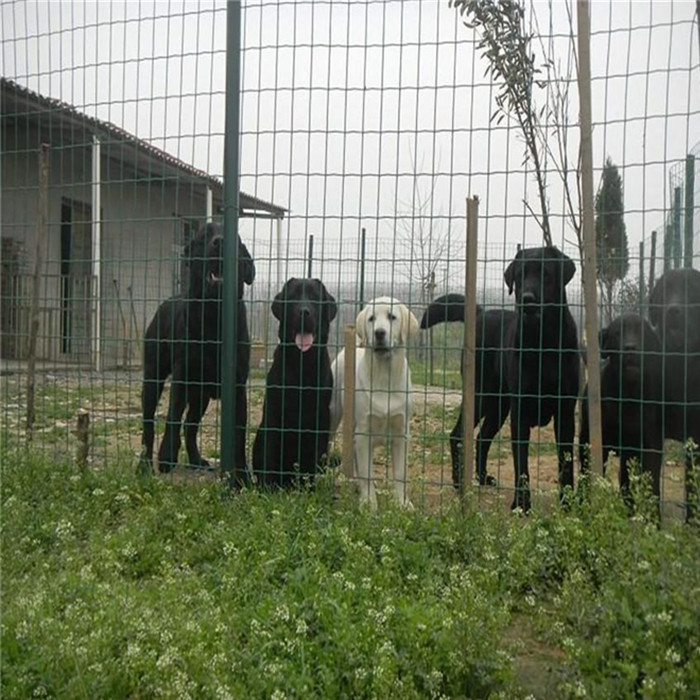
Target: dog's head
x,y
674,309
205,260
305,309
629,343
539,277
385,324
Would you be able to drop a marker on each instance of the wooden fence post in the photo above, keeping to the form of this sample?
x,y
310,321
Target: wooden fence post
x,y
42,225
349,403
469,370
588,230
82,432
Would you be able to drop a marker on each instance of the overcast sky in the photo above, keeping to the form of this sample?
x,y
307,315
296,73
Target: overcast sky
x,y
340,98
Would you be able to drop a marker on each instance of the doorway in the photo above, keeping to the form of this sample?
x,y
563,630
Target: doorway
x,y
76,279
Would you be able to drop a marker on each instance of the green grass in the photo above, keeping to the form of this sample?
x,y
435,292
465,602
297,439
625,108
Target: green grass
x,y
117,587
445,378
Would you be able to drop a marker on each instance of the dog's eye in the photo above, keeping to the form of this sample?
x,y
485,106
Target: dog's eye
x,y
371,318
392,317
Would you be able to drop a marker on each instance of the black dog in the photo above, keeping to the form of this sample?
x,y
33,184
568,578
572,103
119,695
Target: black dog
x,y
542,360
630,388
492,398
294,432
674,310
184,340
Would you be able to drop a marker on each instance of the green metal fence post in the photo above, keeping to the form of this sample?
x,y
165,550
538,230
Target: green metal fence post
x,y
689,205
652,261
676,228
363,236
642,289
230,266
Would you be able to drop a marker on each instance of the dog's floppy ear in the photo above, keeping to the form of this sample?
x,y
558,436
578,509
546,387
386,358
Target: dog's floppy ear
x,y
190,247
360,326
569,268
409,325
279,301
509,275
603,343
329,306
245,261
655,303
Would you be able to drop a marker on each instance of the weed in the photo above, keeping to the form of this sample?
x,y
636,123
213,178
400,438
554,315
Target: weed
x,y
115,586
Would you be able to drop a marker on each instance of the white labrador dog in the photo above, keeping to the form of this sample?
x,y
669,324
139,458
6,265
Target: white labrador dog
x,y
383,400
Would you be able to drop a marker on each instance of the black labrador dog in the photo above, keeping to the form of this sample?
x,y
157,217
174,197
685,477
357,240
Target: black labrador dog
x,y
630,388
674,310
542,360
492,398
184,341
293,435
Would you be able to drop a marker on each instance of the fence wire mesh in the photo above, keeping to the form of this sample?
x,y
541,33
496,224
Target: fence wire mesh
x,y
364,126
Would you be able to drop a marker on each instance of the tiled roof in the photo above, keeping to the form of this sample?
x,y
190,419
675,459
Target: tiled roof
x,y
35,104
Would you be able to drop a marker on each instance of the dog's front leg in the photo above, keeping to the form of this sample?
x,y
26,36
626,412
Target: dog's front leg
x,y
170,445
363,467
520,441
564,435
198,403
399,447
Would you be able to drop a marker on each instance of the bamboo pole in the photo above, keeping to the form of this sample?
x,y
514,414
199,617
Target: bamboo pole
x,y
588,230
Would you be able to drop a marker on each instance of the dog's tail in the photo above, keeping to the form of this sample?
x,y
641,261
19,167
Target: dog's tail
x,y
444,309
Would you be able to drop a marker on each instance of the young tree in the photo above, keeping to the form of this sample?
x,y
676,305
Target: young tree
x,y
426,235
508,45
611,236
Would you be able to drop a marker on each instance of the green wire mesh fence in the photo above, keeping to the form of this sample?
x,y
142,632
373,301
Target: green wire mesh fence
x,y
363,127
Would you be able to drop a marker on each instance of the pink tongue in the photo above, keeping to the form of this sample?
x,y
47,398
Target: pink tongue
x,y
304,341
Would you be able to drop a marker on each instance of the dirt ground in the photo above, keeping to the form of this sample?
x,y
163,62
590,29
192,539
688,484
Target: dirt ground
x,y
113,401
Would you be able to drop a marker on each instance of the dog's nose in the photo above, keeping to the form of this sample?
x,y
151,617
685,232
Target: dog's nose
x,y
528,298
380,335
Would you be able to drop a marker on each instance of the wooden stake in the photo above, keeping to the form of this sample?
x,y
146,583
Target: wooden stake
x,y
82,432
469,369
349,403
590,265
42,225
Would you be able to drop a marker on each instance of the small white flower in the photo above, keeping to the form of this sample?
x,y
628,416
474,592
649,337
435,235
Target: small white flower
x,y
64,529
282,612
302,627
673,656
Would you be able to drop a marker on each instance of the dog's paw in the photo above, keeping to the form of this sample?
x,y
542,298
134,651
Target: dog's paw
x,y
166,464
199,464
145,466
521,502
